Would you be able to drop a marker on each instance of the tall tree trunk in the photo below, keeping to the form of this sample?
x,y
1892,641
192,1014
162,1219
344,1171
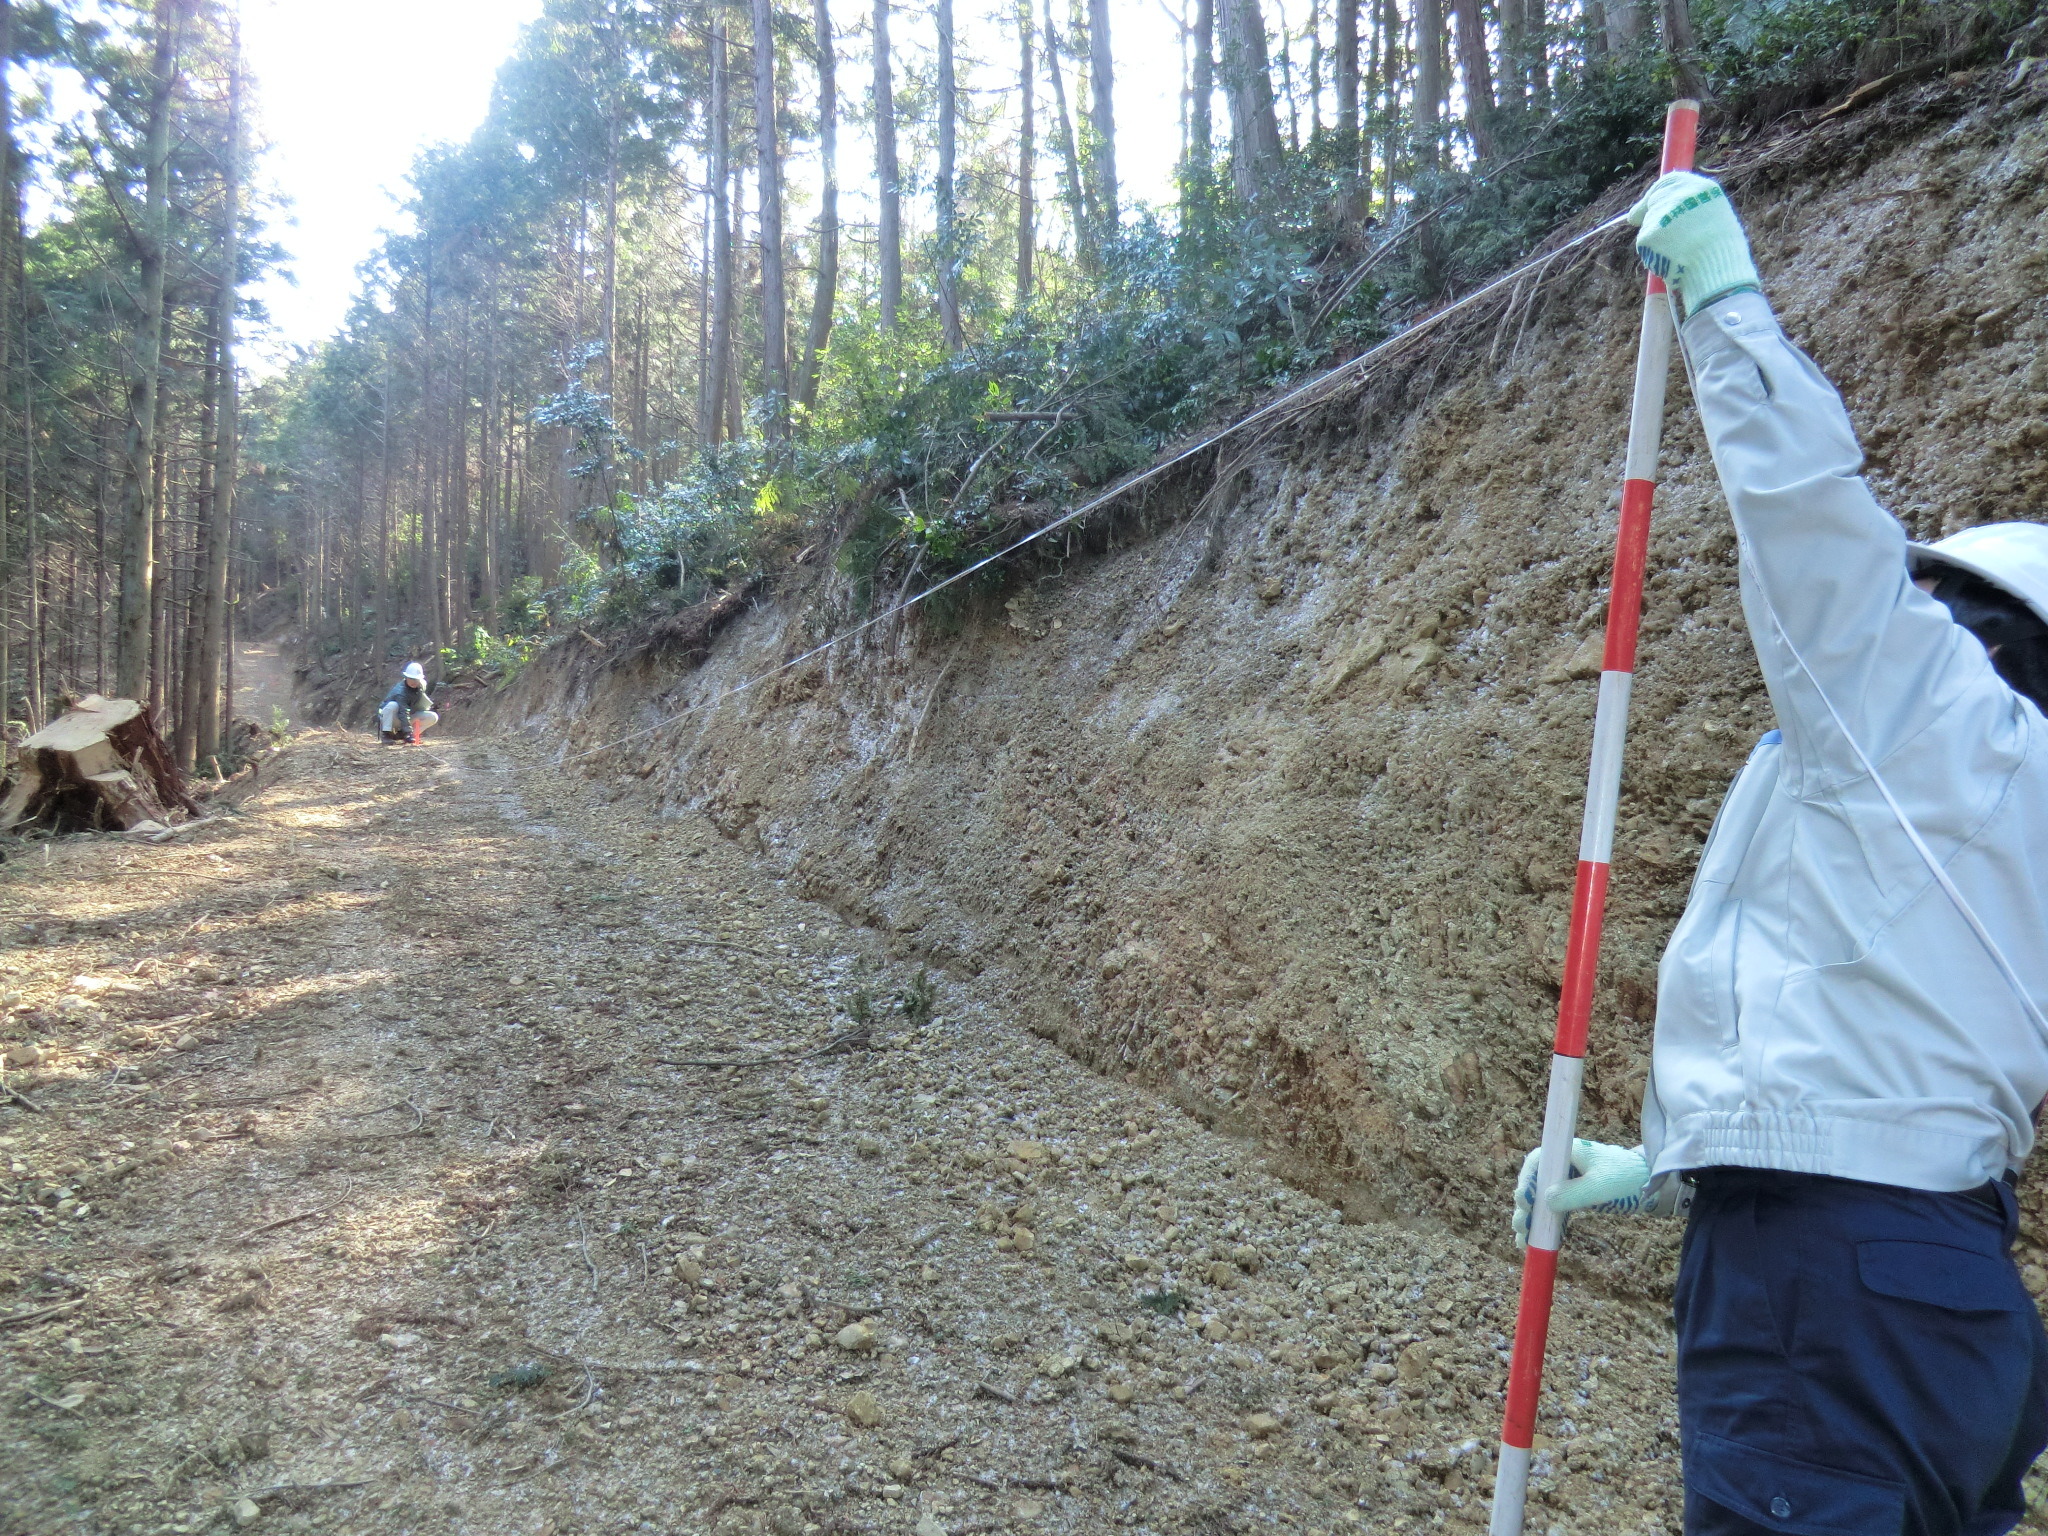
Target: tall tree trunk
x,y
213,610
1315,72
720,369
387,445
1027,152
1347,80
1202,100
735,384
159,658
1676,16
10,245
138,551
948,185
427,577
1287,80
1070,157
826,295
608,299
1511,85
704,312
768,178
227,667
487,471
887,191
1628,25
1248,86
33,534
32,639
1391,70
1368,86
1477,75
185,718
1102,117
1429,81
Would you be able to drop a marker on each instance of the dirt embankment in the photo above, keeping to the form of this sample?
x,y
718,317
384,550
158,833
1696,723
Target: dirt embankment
x,y
1279,810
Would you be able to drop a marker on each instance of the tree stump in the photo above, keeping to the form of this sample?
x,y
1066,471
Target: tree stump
x,y
99,764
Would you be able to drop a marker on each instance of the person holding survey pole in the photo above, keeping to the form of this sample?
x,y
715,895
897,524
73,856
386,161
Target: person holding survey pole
x,y
1851,1046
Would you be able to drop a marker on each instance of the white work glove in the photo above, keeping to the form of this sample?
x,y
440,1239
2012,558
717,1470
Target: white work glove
x,y
1607,1179
1692,239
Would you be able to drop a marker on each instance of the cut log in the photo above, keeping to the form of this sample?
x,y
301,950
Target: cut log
x,y
99,764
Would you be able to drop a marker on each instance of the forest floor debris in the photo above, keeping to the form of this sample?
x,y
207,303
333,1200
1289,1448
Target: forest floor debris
x,y
392,1177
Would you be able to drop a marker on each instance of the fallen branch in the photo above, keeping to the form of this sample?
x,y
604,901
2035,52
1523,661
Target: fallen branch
x,y
21,1319
421,1397
21,1098
272,1226
276,1490
294,1220
1133,1459
706,1061
418,1126
995,1394
63,1405
589,1393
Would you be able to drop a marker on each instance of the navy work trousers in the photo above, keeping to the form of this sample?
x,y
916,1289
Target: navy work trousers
x,y
1854,1359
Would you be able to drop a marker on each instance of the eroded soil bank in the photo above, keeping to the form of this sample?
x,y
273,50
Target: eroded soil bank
x,y
1276,809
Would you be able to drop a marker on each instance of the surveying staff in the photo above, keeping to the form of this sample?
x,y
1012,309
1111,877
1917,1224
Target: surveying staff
x,y
407,711
1852,1014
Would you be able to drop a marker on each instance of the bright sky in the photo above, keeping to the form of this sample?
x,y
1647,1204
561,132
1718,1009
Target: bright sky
x,y
348,94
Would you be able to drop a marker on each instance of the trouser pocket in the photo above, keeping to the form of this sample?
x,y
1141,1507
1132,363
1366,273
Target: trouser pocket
x,y
1778,1493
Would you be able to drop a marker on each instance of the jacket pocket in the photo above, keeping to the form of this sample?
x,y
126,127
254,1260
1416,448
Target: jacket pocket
x,y
1937,1275
1796,1497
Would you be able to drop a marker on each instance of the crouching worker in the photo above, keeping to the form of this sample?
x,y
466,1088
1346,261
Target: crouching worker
x,y
1850,1044
406,712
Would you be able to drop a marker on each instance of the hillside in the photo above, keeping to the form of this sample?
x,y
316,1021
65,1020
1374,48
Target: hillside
x,y
1273,807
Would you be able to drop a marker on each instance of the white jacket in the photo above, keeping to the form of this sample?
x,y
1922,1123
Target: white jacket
x,y
1824,1006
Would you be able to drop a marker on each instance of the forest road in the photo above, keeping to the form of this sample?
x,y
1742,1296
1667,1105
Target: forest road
x,y
263,681
426,1149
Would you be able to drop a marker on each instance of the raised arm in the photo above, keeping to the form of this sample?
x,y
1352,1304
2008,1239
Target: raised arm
x,y
1847,643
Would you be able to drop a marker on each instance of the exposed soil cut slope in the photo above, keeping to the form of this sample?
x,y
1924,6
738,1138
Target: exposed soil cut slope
x,y
1277,809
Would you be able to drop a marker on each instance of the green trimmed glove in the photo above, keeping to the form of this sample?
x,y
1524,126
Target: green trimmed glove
x,y
1692,239
1604,1178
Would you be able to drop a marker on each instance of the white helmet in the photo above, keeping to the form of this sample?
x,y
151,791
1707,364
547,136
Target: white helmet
x,y
2011,556
415,673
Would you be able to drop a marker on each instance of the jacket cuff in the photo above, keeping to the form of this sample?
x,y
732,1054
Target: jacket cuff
x,y
1715,325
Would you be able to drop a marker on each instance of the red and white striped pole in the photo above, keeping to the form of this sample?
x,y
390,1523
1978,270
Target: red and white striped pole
x,y
1589,891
